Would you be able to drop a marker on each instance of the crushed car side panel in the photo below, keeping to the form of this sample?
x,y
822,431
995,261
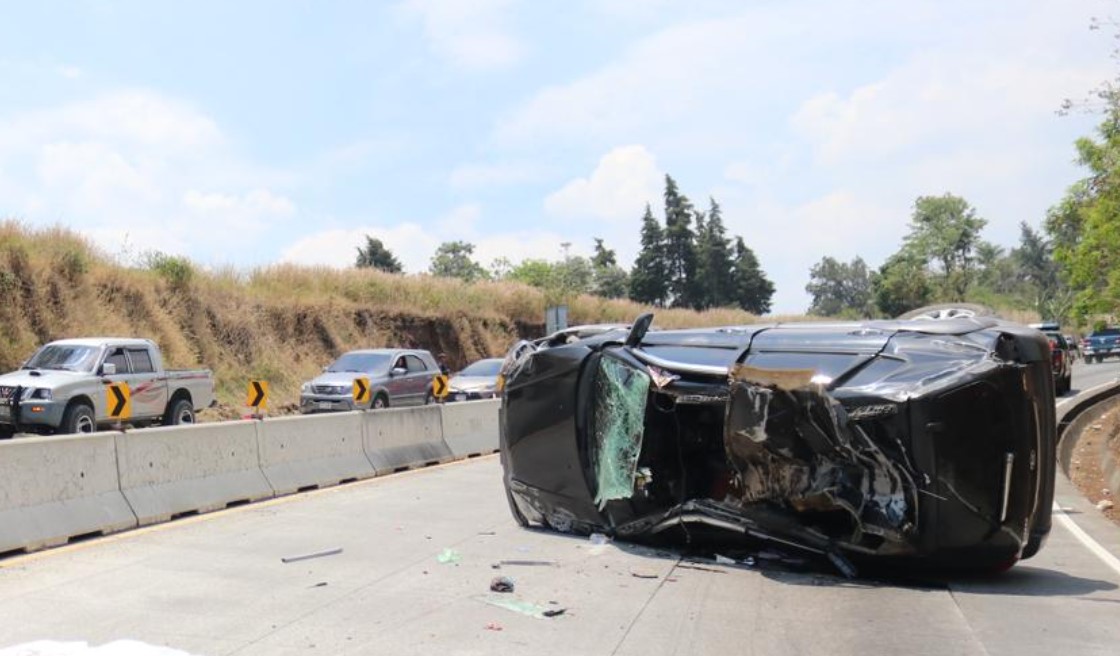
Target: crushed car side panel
x,y
881,438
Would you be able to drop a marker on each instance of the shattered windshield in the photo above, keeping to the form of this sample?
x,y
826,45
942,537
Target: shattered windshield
x,y
619,423
63,357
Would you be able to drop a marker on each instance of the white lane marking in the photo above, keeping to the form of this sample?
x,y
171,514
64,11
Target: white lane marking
x,y
1065,520
1084,538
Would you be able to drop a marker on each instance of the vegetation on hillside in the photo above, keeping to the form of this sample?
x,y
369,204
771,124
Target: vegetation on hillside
x,y
280,323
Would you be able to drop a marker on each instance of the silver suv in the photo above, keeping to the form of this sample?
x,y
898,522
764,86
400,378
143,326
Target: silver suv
x,y
397,377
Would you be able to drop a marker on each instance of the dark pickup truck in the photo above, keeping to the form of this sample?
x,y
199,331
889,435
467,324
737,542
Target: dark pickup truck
x,y
1101,344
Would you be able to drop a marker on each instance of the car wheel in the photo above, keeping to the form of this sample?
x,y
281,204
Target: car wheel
x,y
78,419
7,432
179,412
949,311
379,402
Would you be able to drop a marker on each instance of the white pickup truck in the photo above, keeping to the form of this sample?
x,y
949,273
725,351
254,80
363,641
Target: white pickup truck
x,y
62,388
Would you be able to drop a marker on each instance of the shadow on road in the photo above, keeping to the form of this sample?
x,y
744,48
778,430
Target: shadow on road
x,y
1025,581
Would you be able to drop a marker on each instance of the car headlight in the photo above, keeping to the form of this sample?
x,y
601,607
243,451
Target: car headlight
x,y
305,388
36,394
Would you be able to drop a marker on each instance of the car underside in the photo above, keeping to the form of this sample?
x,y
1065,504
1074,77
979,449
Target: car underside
x,y
920,441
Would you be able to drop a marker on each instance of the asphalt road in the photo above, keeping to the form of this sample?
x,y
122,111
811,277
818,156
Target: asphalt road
x,y
216,584
1091,375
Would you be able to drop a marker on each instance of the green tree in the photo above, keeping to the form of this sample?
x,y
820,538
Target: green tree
x,y
376,255
453,260
680,247
841,288
609,279
715,267
902,284
537,273
649,275
573,276
1085,226
945,232
753,290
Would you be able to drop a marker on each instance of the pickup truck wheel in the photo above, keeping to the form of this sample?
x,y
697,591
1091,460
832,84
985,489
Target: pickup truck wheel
x,y
180,412
78,418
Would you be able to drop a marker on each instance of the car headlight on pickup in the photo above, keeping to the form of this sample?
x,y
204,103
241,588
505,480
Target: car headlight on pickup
x,y
305,388
36,394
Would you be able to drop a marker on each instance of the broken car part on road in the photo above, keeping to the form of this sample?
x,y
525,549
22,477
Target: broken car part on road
x,y
926,440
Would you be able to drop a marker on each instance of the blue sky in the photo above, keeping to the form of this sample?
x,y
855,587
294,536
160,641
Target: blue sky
x,y
249,133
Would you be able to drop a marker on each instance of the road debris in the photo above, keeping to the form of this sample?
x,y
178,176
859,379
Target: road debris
x,y
449,557
644,574
493,626
724,560
317,554
516,605
1104,504
528,563
501,584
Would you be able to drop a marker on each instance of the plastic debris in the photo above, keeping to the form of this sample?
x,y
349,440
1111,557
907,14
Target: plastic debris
x,y
724,560
449,556
598,539
501,584
516,605
1104,504
317,554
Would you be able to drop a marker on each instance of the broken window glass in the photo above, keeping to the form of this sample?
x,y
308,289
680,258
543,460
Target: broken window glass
x,y
621,394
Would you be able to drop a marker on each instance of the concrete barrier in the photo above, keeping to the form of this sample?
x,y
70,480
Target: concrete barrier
x,y
172,471
56,488
397,439
312,451
471,428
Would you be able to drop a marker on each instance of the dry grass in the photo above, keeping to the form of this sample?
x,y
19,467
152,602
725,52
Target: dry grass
x,y
280,323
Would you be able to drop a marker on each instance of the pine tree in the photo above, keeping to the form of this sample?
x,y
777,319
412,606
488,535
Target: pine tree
x,y
680,246
648,277
752,288
376,255
715,267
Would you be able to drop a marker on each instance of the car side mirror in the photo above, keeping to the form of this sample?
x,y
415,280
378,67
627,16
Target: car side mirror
x,y
108,369
398,371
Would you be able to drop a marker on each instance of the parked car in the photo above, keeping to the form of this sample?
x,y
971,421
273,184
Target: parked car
x,y
479,380
61,388
927,441
1101,344
397,377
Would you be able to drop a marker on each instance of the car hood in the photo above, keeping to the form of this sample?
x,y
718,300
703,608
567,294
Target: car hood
x,y
39,378
473,383
345,378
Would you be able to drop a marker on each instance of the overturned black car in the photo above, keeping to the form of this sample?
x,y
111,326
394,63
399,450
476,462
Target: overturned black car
x,y
928,440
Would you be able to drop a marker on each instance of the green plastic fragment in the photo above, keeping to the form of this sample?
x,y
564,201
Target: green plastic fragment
x,y
449,556
621,394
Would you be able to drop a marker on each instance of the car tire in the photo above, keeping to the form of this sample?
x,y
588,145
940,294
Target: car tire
x,y
1068,384
380,402
78,419
179,411
949,311
7,432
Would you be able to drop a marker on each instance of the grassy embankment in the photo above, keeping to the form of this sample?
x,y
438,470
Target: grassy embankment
x,y
279,323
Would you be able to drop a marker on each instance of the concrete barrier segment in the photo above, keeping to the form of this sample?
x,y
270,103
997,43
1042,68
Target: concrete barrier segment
x,y
313,451
397,439
471,428
166,472
53,489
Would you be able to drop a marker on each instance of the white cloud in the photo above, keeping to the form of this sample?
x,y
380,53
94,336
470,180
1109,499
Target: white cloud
x,y
625,179
471,35
475,176
136,171
414,243
939,98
